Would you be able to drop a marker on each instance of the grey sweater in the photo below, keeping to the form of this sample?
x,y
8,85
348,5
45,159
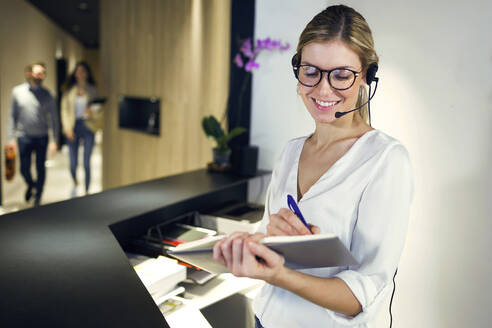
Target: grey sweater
x,y
33,113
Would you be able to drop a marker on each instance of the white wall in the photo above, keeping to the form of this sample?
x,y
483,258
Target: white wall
x,y
435,96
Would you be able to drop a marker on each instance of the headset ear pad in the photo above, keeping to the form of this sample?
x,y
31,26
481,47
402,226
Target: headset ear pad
x,y
371,73
295,64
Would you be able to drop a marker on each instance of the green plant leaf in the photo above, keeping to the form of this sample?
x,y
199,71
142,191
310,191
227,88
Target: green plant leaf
x,y
234,133
212,127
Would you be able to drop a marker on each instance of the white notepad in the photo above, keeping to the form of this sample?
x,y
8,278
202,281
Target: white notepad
x,y
300,252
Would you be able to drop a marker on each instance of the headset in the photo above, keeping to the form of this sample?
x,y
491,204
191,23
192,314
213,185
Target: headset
x,y
370,77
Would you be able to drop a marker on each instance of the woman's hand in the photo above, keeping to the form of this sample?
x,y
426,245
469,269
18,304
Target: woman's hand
x,y
52,148
70,135
244,256
87,112
285,222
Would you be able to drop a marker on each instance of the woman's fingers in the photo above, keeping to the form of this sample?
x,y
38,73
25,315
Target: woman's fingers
x,y
244,255
294,221
271,258
285,222
217,252
278,226
70,135
252,265
314,229
256,237
237,256
273,230
226,247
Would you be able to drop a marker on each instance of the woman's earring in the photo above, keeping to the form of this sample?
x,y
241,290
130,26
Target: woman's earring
x,y
298,92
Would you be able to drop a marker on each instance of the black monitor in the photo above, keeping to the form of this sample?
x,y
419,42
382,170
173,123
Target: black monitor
x,y
140,114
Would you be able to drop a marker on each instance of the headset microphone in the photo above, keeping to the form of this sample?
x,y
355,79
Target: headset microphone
x,y
340,114
370,77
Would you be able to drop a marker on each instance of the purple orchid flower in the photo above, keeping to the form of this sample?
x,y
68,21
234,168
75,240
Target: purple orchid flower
x,y
259,44
275,44
250,65
249,51
238,60
246,48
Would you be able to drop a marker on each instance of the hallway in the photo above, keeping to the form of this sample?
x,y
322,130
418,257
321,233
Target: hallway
x,y
58,185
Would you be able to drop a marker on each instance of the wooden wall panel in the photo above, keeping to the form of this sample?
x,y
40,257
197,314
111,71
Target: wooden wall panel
x,y
177,51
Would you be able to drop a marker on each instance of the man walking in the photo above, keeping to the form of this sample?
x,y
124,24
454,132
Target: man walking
x,y
33,114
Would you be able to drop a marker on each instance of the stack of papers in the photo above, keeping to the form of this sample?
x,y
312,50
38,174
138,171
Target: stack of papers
x,y
227,225
160,275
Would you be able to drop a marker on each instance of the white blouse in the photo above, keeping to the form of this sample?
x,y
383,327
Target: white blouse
x,y
364,198
80,106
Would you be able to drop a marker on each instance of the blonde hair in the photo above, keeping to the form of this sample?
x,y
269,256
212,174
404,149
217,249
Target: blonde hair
x,y
343,23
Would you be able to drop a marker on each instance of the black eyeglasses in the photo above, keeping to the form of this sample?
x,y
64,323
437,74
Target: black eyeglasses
x,y
339,78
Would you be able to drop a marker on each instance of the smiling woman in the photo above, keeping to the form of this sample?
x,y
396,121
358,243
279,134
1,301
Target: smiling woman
x,y
349,179
354,50
340,90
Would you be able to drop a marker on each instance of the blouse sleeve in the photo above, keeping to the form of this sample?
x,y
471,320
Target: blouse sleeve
x,y
266,213
379,233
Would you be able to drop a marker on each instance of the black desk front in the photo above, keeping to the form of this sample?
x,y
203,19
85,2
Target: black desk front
x,y
62,265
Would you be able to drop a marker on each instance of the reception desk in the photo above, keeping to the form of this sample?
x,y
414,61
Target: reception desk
x,y
63,266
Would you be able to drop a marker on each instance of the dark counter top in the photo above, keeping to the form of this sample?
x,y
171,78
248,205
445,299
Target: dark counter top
x,y
62,264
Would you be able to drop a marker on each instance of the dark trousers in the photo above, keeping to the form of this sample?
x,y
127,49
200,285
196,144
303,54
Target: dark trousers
x,y
28,145
81,133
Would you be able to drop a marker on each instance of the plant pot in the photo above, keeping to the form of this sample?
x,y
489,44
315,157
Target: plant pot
x,y
221,158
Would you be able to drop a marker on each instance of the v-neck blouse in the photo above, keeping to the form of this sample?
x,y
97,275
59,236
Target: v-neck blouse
x,y
297,157
363,198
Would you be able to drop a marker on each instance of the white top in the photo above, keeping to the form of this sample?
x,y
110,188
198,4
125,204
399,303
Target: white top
x,y
80,106
364,199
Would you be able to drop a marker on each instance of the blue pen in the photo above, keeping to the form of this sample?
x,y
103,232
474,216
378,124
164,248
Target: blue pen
x,y
294,208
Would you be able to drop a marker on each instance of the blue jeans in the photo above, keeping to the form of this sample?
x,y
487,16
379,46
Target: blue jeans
x,y
81,132
28,145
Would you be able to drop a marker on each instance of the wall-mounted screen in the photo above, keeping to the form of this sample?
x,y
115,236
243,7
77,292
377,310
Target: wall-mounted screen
x,y
140,114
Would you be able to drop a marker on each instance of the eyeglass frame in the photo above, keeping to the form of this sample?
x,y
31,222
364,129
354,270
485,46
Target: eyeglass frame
x,y
328,72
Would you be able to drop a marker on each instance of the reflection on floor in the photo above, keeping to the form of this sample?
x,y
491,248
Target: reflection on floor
x,y
58,185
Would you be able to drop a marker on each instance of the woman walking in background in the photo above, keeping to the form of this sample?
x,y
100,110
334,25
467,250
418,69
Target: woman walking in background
x,y
79,121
